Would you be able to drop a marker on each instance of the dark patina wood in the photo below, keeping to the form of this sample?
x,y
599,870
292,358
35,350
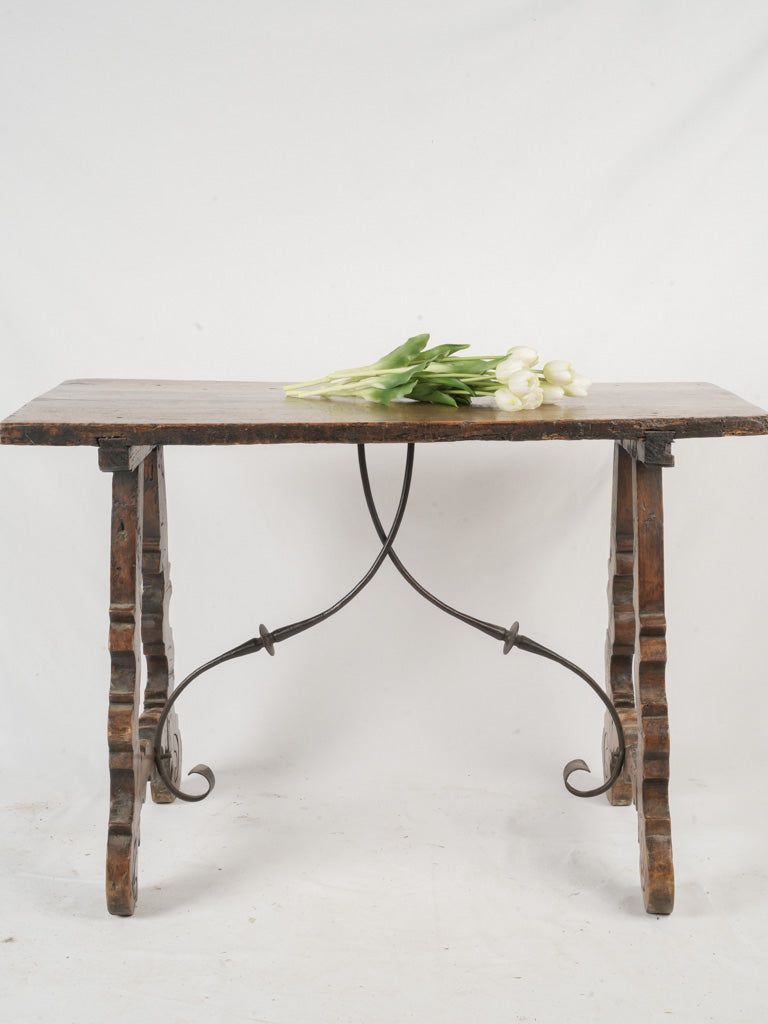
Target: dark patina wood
x,y
636,656
651,787
138,615
655,448
620,641
150,412
157,639
130,760
115,454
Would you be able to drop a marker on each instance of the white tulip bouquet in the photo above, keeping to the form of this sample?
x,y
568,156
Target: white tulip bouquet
x,y
439,376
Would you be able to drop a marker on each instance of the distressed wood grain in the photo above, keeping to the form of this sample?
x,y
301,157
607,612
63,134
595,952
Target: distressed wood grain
x,y
620,640
163,412
130,760
156,635
652,756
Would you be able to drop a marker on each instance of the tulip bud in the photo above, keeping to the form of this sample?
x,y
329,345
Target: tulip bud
x,y
521,382
527,356
508,366
508,401
558,371
532,399
551,393
578,387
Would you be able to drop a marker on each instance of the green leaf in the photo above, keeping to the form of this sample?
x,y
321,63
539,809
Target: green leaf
x,y
435,397
405,353
444,381
385,395
421,390
462,398
440,352
389,380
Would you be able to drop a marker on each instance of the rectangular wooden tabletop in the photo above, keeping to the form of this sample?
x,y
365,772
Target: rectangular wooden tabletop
x,y
157,412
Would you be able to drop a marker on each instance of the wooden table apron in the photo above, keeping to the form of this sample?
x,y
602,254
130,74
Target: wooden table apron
x,y
130,421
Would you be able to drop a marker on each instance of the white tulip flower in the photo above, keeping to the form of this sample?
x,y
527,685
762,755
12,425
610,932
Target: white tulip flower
x,y
521,382
578,387
527,356
551,393
533,398
508,401
508,366
558,371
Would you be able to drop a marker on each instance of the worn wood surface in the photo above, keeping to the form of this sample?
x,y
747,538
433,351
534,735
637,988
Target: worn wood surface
x,y
620,641
636,655
156,412
130,761
115,453
157,639
655,448
138,614
651,770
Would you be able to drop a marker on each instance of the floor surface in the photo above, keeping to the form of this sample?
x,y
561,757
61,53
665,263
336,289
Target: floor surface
x,y
286,899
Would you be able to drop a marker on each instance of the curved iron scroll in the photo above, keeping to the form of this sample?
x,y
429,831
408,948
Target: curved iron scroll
x,y
266,640
511,638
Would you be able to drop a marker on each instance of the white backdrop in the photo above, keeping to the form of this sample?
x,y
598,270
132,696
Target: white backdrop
x,y
266,191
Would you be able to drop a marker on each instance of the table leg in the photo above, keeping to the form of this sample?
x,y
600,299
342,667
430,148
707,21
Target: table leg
x,y
636,656
156,633
651,772
620,641
138,612
130,758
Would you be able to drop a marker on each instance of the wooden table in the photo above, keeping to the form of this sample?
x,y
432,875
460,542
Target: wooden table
x,y
130,421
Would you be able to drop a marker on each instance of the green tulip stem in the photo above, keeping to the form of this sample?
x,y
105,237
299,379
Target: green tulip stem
x,y
345,378
345,388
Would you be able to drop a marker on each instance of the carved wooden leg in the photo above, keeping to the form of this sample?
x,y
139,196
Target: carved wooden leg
x,y
130,759
620,641
652,754
155,627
